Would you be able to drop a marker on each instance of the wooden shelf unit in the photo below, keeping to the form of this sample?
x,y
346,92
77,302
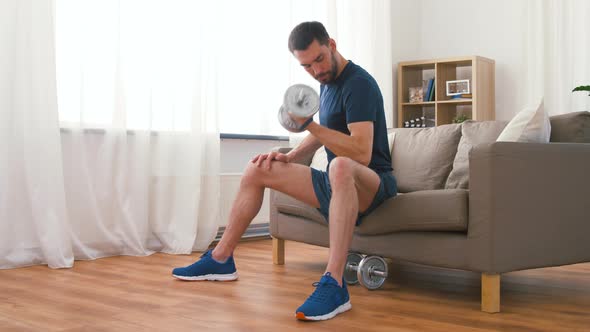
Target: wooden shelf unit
x,y
478,70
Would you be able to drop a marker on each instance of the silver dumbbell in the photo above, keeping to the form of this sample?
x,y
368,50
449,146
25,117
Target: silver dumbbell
x,y
370,271
300,100
352,263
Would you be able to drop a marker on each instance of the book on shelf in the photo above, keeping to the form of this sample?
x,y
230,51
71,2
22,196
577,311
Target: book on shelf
x,y
429,85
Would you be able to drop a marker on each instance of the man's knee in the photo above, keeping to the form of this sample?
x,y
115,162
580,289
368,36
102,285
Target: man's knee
x,y
341,170
258,175
252,175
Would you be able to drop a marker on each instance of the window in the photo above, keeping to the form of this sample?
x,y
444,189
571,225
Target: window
x,y
160,64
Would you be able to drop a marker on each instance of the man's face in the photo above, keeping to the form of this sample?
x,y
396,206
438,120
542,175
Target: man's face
x,y
319,61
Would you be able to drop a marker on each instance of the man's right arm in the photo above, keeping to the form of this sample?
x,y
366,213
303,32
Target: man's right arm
x,y
304,150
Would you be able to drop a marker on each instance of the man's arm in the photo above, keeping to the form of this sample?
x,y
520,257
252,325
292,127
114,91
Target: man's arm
x,y
307,147
358,146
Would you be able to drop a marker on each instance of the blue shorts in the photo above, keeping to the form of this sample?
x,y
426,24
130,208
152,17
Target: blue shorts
x,y
323,192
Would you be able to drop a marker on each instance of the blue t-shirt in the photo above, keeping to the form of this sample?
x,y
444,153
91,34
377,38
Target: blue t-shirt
x,y
355,97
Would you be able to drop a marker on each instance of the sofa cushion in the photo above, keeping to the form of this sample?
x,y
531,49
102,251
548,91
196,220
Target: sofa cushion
x,y
529,125
289,205
429,210
472,133
423,157
571,127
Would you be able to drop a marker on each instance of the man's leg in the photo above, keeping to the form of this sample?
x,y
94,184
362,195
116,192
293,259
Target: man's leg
x,y
353,188
292,179
289,178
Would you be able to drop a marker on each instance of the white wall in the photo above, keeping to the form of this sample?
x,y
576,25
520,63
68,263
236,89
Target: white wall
x,y
493,29
405,34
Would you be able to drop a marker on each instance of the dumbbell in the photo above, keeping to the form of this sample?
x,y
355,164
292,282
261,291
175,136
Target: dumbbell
x,y
301,101
352,263
370,271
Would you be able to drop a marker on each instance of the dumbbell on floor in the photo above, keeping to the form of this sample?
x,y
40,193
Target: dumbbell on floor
x,y
352,263
370,271
301,101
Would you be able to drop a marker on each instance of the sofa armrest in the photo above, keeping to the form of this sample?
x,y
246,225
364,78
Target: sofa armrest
x,y
528,205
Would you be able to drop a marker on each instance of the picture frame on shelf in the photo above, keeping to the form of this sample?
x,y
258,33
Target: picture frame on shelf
x,y
416,94
458,87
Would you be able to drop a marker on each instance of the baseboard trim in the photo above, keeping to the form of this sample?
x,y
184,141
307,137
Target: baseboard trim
x,y
254,231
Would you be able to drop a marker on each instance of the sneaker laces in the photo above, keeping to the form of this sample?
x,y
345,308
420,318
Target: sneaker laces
x,y
209,253
200,260
323,289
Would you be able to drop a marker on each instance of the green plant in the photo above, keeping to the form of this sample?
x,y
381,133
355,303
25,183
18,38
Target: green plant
x,y
583,88
460,118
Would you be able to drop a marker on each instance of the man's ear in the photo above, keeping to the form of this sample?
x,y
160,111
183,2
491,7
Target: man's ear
x,y
332,44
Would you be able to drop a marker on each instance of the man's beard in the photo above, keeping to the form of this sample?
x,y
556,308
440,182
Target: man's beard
x,y
329,76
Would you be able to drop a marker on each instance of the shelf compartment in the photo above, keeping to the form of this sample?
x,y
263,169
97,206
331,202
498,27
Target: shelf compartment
x,y
413,112
451,71
415,75
447,112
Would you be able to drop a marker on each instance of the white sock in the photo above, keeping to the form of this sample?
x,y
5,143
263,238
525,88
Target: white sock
x,y
220,262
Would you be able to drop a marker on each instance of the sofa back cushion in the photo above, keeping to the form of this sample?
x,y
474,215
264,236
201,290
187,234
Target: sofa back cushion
x,y
423,157
472,133
571,127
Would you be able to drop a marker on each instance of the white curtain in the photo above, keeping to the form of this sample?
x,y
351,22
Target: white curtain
x,y
135,167
34,225
557,56
363,34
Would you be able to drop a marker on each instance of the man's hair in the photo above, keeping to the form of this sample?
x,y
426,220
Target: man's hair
x,y
305,33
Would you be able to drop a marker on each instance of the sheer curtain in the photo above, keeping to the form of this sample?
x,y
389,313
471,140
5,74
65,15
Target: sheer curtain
x,y
34,225
137,101
557,56
135,167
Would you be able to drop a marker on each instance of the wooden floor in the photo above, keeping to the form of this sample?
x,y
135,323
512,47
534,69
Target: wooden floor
x,y
139,294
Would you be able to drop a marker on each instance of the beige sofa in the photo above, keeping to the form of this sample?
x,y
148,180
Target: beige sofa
x,y
467,202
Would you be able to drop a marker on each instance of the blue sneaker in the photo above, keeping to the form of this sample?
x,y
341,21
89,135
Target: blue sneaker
x,y
327,301
207,268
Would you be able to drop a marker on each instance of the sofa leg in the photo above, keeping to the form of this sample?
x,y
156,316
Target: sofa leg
x,y
278,251
490,293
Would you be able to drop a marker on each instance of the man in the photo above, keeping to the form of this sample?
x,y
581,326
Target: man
x,y
358,178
